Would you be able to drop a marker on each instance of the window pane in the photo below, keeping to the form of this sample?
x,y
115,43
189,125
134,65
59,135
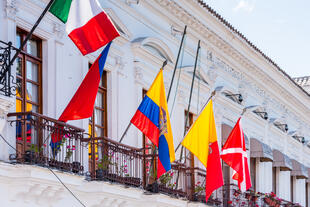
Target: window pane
x,y
32,93
98,132
32,47
98,102
19,89
34,108
18,40
18,105
32,71
19,68
98,117
30,107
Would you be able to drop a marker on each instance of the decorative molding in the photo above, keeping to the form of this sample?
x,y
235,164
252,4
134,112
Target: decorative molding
x,y
214,39
59,30
11,8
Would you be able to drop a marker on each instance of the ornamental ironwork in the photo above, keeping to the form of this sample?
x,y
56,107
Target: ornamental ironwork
x,y
7,84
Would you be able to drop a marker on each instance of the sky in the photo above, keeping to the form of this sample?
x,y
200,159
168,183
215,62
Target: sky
x,y
279,28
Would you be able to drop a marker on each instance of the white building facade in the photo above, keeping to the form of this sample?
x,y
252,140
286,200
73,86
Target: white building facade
x,y
50,69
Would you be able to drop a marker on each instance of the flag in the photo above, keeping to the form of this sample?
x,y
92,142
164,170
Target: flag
x,y
152,118
201,140
81,105
88,26
234,154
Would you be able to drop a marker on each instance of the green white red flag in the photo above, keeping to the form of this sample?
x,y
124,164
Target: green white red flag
x,y
88,26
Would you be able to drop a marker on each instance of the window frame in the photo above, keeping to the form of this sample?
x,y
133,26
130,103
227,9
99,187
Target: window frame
x,y
24,56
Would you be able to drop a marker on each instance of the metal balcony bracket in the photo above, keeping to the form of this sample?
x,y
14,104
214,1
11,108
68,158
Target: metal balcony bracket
x,y
7,84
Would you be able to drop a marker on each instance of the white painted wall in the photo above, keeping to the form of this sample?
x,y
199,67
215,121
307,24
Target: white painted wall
x,y
131,68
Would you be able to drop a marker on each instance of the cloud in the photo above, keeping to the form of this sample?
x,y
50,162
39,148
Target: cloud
x,y
245,5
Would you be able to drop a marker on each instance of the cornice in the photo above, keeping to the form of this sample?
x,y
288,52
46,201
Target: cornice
x,y
224,47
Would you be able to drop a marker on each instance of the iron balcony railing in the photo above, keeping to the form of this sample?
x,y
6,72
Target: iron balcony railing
x,y
112,161
34,133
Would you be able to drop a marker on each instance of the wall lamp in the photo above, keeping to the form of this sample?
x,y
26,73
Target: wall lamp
x,y
237,97
299,138
262,114
129,2
282,126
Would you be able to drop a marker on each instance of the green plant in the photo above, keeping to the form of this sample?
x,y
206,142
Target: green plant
x,y
199,187
35,148
104,162
166,178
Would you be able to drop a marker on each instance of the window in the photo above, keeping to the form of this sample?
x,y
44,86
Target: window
x,y
150,164
307,194
98,122
29,89
29,74
274,180
189,157
253,172
292,189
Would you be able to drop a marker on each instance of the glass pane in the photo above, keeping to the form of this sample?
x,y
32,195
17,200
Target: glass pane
x,y
98,102
98,132
18,40
19,87
32,93
32,71
98,117
34,108
32,47
18,105
19,68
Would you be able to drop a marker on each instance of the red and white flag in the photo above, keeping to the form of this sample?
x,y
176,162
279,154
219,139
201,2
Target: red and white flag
x,y
234,154
88,26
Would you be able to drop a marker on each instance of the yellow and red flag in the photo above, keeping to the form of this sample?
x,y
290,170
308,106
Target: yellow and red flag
x,y
201,140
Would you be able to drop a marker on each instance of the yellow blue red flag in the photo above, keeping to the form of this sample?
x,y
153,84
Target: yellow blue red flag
x,y
152,118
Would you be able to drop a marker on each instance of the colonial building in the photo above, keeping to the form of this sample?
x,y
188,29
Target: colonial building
x,y
91,162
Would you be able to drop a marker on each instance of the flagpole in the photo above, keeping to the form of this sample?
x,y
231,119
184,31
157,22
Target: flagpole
x,y
191,92
27,38
189,106
176,63
128,126
212,94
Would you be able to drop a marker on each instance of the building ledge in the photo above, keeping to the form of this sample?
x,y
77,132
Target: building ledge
x,y
28,185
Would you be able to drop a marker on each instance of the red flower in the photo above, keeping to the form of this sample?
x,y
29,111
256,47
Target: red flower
x,y
229,202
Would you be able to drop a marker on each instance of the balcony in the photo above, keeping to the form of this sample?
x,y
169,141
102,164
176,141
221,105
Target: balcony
x,y
113,162
33,137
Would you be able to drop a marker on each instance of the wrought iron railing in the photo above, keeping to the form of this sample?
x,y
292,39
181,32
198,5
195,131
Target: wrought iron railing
x,y
114,162
34,135
7,85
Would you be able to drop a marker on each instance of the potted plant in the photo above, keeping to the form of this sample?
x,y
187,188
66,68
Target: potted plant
x,y
199,188
32,155
103,167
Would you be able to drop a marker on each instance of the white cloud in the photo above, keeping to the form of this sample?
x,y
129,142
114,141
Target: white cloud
x,y
245,5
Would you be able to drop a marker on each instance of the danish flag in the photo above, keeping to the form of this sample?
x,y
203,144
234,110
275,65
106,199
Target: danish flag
x,y
234,154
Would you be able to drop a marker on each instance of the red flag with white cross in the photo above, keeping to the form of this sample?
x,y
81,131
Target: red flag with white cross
x,y
234,154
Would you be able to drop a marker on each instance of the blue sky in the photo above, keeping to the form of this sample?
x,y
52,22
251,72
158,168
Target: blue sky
x,y
280,28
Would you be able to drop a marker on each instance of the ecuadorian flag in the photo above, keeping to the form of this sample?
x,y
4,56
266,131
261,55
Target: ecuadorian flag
x,y
152,118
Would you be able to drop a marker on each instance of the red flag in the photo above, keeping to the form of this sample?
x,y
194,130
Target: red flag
x,y
82,103
234,154
214,176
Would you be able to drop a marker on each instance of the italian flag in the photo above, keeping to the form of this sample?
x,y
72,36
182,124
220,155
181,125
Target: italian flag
x,y
88,26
